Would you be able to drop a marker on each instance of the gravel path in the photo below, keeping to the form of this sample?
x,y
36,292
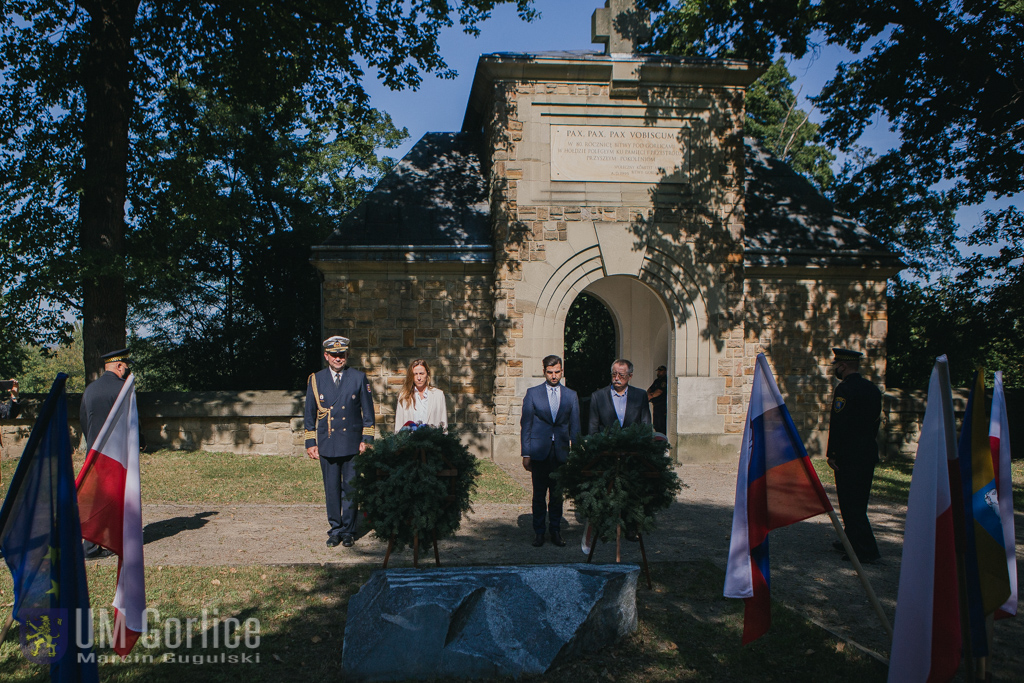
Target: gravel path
x,y
807,574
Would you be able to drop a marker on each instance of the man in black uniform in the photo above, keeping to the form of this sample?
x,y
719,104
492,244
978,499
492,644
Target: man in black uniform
x,y
100,395
657,394
339,424
97,400
852,449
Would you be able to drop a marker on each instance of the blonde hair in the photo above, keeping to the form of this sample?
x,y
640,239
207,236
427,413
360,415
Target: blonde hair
x,y
405,397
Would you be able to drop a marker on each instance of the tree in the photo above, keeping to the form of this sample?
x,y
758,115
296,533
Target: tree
x,y
947,75
948,78
82,81
774,119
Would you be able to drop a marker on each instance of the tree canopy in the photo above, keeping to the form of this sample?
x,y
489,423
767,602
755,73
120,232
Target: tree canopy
x,y
139,139
948,79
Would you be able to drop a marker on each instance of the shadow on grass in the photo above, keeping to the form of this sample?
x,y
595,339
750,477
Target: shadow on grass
x,y
165,528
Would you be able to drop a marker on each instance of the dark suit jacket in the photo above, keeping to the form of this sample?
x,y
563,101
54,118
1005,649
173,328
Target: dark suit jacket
x,y
602,412
351,413
537,427
97,400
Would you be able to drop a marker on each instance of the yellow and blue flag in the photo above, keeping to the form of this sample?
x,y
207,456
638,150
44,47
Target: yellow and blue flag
x,y
988,583
41,540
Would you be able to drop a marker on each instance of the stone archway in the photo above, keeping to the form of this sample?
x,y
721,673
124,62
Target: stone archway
x,y
642,321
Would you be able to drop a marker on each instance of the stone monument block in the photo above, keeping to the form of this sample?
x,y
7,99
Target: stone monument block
x,y
476,622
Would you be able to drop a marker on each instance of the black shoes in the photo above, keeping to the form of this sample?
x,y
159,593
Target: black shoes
x,y
99,553
556,539
838,545
538,541
341,539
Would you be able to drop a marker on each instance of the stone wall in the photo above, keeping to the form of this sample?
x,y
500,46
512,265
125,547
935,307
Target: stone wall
x,y
394,313
270,422
796,322
257,422
681,237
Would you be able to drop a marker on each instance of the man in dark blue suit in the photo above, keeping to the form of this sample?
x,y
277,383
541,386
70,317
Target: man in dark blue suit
x,y
339,424
618,404
550,421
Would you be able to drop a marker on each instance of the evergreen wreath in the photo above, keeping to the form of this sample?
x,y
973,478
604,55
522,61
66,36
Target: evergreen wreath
x,y
619,477
415,482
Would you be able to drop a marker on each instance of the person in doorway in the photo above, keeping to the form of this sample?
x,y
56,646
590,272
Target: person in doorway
x,y
550,423
419,402
657,394
852,450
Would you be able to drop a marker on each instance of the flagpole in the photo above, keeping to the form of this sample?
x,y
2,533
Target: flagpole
x,y
7,625
860,573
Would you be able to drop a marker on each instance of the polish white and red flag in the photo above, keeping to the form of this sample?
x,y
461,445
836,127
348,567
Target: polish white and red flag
x,y
110,506
999,441
926,642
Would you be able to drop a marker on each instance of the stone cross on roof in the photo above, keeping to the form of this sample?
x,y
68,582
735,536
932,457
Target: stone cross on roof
x,y
620,26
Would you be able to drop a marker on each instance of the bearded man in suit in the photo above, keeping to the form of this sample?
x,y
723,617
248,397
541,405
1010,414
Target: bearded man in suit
x,y
618,403
549,424
339,423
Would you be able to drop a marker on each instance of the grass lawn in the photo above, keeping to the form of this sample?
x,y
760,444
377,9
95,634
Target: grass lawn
x,y
205,477
687,631
892,479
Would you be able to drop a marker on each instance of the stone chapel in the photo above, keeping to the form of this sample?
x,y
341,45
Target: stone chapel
x,y
627,177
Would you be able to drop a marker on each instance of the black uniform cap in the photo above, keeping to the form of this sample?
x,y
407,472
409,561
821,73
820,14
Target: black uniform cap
x,y
119,356
842,355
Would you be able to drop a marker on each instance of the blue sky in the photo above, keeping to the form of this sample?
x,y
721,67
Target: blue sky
x,y
439,105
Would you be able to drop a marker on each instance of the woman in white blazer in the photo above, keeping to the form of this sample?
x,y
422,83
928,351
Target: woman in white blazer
x,y
418,402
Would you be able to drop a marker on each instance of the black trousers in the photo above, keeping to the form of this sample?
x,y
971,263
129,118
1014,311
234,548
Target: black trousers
x,y
661,419
853,488
339,473
547,495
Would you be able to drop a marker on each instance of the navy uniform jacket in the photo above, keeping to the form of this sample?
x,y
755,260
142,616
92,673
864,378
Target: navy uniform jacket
x,y
349,419
537,427
853,423
97,400
602,412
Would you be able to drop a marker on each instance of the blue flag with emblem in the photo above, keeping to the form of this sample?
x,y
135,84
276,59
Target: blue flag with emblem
x,y
41,540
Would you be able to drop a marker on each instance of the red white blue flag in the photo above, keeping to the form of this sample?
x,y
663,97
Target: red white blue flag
x,y
776,486
926,643
999,441
110,504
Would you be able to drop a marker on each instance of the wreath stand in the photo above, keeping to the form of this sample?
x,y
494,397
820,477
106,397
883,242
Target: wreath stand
x,y
448,474
651,473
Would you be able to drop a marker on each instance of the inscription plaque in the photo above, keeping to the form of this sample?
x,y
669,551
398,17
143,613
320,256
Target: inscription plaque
x,y
618,154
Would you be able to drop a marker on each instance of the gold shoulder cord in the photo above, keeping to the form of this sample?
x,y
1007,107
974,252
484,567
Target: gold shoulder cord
x,y
321,412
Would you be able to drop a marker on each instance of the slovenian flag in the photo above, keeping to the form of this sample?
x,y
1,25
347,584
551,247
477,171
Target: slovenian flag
x,y
988,585
110,503
776,486
999,441
926,642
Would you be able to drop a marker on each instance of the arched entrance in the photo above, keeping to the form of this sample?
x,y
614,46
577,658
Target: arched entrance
x,y
590,347
641,329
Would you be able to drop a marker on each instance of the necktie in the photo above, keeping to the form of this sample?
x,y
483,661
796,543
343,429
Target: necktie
x,y
553,402
337,381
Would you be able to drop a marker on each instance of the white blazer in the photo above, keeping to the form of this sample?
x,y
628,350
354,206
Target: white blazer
x,y
437,410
